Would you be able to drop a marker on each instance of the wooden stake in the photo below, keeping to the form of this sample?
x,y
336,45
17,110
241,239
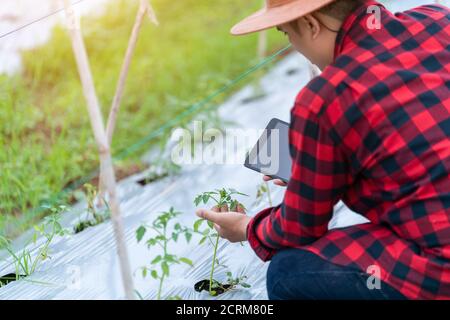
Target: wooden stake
x,y
144,8
262,42
106,164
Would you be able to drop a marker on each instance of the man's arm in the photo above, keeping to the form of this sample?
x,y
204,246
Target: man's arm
x,y
319,176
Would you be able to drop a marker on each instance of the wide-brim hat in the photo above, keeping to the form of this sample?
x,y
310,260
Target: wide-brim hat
x,y
277,12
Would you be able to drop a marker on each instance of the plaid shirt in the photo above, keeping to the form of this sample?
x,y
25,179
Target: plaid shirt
x,y
374,131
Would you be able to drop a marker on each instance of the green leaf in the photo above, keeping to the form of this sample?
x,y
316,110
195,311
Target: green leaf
x,y
203,240
144,272
165,268
140,232
156,260
197,224
188,236
170,258
245,285
210,224
154,274
186,261
205,198
233,205
206,232
197,200
175,236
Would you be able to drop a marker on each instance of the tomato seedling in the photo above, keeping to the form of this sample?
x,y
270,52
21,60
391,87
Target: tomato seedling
x,y
220,197
25,262
162,239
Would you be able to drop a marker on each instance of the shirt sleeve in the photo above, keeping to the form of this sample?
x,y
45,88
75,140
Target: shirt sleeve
x,y
319,176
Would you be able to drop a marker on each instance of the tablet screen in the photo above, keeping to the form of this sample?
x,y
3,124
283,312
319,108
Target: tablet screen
x,y
270,155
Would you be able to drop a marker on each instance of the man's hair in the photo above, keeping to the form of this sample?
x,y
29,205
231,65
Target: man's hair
x,y
340,9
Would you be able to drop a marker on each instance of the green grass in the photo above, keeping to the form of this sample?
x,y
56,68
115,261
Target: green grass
x,y
45,133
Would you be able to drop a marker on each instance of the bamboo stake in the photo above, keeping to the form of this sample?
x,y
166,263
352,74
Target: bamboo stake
x,y
102,144
262,42
144,8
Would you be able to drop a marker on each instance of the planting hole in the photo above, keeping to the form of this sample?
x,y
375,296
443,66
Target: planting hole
x,y
152,178
292,71
8,278
254,98
218,288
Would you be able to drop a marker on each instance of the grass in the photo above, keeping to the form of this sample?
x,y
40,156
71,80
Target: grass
x,y
45,134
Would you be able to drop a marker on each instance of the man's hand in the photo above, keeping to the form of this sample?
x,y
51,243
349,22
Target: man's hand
x,y
229,225
278,182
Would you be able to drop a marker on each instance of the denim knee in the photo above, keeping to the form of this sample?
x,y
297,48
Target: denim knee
x,y
281,268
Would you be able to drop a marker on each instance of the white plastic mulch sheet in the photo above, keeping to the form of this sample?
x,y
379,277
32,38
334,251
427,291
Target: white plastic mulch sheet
x,y
85,266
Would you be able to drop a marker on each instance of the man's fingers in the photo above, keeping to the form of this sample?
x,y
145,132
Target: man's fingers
x,y
277,182
215,208
280,183
210,215
240,208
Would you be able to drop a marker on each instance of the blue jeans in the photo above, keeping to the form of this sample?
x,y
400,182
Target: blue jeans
x,y
296,274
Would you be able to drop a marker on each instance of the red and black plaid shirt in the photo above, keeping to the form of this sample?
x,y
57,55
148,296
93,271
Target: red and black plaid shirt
x,y
374,131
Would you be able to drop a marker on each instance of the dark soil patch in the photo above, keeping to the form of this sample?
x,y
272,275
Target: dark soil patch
x,y
8,278
152,178
218,287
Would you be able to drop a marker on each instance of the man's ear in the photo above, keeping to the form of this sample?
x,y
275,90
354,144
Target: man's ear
x,y
313,25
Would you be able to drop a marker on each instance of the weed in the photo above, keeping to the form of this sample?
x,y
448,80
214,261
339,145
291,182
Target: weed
x,y
162,239
93,215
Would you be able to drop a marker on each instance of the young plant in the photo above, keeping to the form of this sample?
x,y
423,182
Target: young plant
x,y
220,197
93,216
162,239
262,190
25,261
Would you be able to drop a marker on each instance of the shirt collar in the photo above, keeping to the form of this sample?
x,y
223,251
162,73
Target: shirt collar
x,y
351,22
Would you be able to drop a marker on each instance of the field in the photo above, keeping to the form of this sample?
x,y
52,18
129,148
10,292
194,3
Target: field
x,y
45,134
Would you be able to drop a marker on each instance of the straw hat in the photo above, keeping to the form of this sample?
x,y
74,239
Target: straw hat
x,y
277,12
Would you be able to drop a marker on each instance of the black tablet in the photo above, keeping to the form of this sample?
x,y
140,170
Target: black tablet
x,y
270,155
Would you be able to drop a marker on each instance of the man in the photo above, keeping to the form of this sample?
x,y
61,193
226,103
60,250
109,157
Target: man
x,y
372,130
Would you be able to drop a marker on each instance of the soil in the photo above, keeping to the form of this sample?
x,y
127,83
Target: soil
x,y
8,278
220,289
152,178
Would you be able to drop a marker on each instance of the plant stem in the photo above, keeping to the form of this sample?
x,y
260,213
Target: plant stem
x,y
158,296
213,264
268,194
161,281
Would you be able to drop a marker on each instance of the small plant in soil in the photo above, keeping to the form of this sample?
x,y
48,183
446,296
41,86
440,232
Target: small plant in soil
x,y
159,268
26,261
218,288
94,216
263,189
221,198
